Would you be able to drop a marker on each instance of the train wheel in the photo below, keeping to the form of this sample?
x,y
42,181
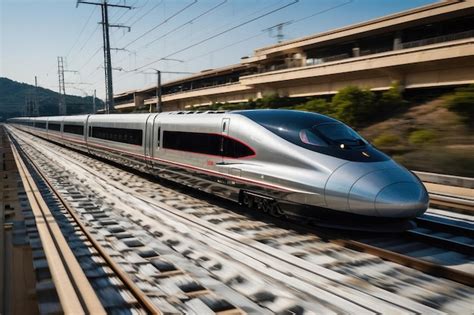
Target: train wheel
x,y
248,201
276,210
267,206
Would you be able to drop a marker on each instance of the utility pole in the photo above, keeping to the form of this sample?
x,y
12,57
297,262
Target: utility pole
x,y
93,103
36,103
109,91
279,27
159,88
62,87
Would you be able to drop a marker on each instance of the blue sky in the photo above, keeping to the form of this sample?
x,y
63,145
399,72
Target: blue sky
x,y
34,33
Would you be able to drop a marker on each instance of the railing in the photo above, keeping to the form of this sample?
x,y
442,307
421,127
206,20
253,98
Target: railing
x,y
437,39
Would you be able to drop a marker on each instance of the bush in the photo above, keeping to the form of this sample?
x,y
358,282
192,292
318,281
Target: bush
x,y
391,100
317,105
386,140
462,103
421,137
354,106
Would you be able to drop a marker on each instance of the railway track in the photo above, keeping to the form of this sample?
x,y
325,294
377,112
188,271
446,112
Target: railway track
x,y
324,271
459,204
75,291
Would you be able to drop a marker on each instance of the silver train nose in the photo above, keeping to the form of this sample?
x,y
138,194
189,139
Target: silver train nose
x,y
376,189
400,199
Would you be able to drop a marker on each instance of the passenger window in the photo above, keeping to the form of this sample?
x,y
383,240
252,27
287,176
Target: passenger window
x,y
308,137
159,137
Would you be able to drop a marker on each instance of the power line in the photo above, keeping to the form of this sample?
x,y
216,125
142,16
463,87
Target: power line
x,y
165,21
263,9
90,58
138,11
186,23
81,32
226,46
106,39
220,33
89,38
146,13
125,12
260,34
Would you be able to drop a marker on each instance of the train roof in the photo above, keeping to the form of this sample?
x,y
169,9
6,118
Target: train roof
x,y
285,117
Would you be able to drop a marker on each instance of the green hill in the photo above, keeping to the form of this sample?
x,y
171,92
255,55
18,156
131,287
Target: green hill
x,y
13,94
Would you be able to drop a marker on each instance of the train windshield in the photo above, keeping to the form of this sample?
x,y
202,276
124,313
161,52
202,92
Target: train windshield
x,y
317,133
331,134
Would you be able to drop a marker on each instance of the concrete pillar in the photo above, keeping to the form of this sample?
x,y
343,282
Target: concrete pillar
x,y
355,52
397,40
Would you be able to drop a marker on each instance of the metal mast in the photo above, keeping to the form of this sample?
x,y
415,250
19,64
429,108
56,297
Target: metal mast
x,y
36,104
62,87
109,90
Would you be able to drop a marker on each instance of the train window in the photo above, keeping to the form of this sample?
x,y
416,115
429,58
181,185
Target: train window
x,y
75,129
317,133
192,142
236,149
340,134
130,136
41,125
309,137
205,143
159,136
53,126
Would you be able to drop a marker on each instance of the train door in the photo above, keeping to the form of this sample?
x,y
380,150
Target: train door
x,y
157,136
225,125
149,135
87,131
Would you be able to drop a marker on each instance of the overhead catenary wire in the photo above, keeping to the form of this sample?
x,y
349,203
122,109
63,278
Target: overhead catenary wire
x,y
219,34
81,32
160,24
186,23
125,12
261,33
220,27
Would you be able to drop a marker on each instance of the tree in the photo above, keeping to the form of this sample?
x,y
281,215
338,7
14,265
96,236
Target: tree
x,y
354,106
317,105
462,103
392,99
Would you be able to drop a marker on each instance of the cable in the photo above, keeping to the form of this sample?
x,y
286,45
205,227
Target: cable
x,y
260,34
165,21
186,23
138,11
125,12
227,46
220,27
81,32
146,13
89,60
323,11
219,34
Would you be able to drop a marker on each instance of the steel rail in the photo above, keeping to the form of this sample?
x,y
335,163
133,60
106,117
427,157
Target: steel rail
x,y
141,297
440,242
439,226
74,290
412,262
460,205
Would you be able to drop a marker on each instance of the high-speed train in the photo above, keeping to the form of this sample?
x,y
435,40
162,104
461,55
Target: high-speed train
x,y
284,162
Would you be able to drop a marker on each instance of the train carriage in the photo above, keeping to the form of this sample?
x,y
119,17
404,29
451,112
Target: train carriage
x,y
74,131
280,161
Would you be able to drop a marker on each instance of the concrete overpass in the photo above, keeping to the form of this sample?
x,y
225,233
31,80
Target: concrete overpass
x,y
430,46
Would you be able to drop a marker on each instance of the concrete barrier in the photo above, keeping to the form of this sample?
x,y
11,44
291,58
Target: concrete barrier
x,y
466,182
